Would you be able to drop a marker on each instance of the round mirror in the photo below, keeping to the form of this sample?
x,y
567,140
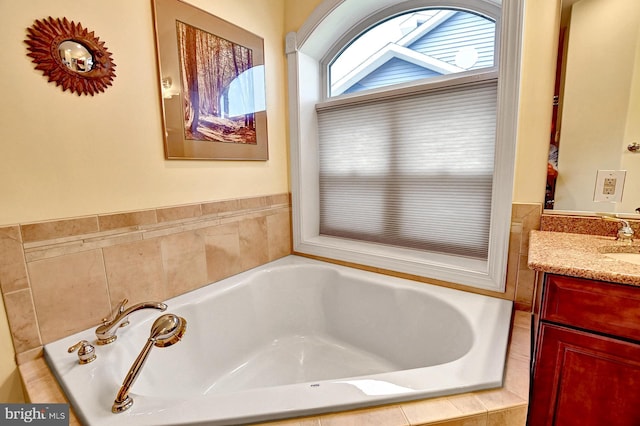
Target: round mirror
x,y
70,56
75,56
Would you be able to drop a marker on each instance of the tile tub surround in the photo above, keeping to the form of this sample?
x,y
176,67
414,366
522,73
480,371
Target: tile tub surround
x,y
524,219
60,277
578,255
49,270
506,406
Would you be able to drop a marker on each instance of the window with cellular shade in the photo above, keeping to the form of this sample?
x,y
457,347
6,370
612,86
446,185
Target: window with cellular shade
x,y
412,171
403,122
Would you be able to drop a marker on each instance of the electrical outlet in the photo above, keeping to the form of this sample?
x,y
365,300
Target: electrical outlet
x,y
609,185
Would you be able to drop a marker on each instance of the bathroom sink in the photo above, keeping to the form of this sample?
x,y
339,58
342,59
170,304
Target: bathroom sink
x,y
625,257
630,254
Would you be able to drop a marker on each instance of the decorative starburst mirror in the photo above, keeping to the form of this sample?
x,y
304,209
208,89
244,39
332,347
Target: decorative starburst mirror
x,y
70,56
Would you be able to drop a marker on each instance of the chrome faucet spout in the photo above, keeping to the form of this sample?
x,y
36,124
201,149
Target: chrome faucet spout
x,y
625,232
106,333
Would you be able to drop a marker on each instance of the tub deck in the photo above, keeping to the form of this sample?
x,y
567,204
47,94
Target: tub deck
x,y
495,407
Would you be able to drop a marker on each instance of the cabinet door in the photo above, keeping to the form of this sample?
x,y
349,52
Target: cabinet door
x,y
584,379
599,306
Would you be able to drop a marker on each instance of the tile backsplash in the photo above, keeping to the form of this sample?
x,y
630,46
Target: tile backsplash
x,y
591,225
60,277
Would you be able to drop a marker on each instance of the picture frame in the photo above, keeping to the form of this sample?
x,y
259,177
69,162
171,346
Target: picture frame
x,y
212,85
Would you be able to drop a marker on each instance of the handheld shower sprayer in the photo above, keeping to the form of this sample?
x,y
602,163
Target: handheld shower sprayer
x,y
166,330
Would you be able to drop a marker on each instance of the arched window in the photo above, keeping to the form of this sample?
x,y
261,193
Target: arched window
x,y
414,45
402,150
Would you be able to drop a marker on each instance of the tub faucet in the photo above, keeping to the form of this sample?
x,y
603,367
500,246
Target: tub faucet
x,y
106,333
625,232
166,330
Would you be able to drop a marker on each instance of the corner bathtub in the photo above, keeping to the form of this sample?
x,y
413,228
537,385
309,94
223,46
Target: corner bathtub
x,y
291,338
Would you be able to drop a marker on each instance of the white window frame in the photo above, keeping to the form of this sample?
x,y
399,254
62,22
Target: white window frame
x,y
306,51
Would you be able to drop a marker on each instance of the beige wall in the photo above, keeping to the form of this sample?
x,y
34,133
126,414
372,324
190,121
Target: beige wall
x,y
296,12
539,51
65,156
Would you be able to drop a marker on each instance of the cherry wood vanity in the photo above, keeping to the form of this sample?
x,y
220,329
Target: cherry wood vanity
x,y
586,352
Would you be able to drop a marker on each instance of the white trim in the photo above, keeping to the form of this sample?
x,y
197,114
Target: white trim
x,y
426,27
319,30
413,87
384,55
305,51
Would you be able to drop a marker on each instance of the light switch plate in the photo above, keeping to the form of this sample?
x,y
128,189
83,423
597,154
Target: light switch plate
x,y
609,185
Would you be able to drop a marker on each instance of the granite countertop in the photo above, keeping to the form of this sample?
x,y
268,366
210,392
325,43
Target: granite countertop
x,y
580,255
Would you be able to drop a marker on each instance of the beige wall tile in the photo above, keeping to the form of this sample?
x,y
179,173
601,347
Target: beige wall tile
x,y
169,214
22,320
254,245
520,344
279,235
477,420
500,399
69,293
526,284
529,223
94,262
525,217
279,199
512,417
253,203
42,386
59,229
135,272
13,271
126,220
522,210
467,404
222,251
30,355
431,410
513,258
386,416
220,207
184,262
517,377
294,422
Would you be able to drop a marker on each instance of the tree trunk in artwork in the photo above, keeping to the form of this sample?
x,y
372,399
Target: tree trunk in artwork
x,y
249,119
190,69
218,97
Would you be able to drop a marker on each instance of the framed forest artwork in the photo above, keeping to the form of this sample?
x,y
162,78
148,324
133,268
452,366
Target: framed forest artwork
x,y
212,85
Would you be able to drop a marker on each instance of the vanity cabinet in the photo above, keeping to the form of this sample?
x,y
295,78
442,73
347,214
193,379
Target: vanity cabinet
x,y
586,363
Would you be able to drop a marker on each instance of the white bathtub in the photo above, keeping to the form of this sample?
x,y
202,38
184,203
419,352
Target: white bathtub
x,y
293,337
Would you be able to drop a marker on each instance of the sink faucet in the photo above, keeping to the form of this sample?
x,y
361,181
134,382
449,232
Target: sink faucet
x,y
106,333
625,232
